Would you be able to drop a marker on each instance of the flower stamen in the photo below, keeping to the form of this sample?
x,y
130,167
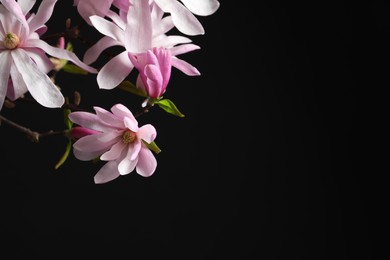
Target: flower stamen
x,y
11,41
128,137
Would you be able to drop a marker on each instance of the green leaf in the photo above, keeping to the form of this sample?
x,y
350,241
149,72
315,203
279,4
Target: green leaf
x,y
169,107
65,155
153,146
130,87
71,68
69,47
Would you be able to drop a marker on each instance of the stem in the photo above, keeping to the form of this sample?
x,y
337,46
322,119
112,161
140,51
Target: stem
x,y
32,135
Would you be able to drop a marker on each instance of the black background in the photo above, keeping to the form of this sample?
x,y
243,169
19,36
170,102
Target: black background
x,y
270,162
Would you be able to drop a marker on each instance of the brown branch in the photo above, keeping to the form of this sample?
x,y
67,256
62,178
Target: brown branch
x,y
32,135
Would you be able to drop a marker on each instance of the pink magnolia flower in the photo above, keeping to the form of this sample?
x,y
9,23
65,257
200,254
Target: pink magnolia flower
x,y
116,137
23,59
154,68
143,29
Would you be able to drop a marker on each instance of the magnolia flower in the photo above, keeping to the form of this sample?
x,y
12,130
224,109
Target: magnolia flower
x,y
116,137
23,59
143,29
183,12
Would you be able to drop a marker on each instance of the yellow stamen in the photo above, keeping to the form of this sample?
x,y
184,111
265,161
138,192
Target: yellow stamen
x,y
128,137
11,41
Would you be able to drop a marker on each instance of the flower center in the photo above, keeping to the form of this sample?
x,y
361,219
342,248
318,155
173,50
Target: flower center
x,y
11,41
128,137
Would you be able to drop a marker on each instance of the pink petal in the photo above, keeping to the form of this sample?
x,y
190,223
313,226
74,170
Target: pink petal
x,y
185,67
14,8
120,111
127,165
184,48
86,8
88,120
114,152
147,133
147,164
131,123
89,147
26,5
107,173
114,71
109,118
154,80
38,83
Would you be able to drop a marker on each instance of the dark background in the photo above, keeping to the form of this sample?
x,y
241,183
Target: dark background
x,y
270,162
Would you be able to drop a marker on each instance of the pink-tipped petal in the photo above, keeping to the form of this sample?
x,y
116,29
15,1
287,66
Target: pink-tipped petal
x,y
108,118
154,80
88,120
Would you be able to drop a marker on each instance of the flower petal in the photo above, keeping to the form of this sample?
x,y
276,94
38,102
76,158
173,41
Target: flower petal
x,y
114,71
147,163
95,50
107,28
43,14
89,147
185,67
121,111
183,19
147,133
5,65
109,118
138,33
131,123
127,165
59,53
114,152
88,120
38,83
16,87
107,173
203,8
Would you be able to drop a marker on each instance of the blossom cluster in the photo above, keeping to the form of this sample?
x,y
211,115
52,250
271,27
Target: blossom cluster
x,y
141,28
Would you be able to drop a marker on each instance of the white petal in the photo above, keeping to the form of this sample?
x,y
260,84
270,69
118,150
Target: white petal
x,y
126,165
203,8
43,14
38,83
107,28
183,19
5,65
59,53
95,50
114,71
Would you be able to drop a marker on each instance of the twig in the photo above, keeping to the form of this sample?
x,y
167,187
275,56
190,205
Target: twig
x,y
32,135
